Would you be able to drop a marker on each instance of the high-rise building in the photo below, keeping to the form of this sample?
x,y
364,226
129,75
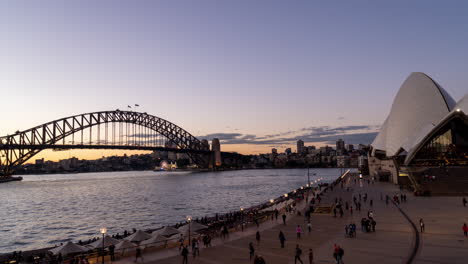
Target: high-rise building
x,y
216,148
350,147
300,146
340,147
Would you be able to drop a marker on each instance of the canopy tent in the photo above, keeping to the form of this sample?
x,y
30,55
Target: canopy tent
x,y
108,241
166,231
194,227
138,236
68,248
155,241
124,244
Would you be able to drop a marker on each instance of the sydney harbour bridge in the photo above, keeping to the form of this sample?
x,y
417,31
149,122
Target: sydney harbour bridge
x,y
102,130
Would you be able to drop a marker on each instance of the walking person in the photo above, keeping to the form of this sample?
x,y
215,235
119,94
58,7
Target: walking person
x,y
309,226
464,201
282,238
138,255
184,254
284,219
311,256
251,251
421,225
112,252
338,253
298,231
257,237
373,223
181,242
298,255
465,229
195,248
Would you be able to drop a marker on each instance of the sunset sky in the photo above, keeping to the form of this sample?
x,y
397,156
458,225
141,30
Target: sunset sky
x,y
256,74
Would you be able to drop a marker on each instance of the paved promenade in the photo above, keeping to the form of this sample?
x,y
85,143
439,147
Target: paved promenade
x,y
393,241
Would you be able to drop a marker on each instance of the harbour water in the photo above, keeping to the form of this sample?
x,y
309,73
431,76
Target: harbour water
x,y
44,210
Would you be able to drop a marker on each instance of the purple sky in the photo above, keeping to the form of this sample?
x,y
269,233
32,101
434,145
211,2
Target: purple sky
x,y
238,69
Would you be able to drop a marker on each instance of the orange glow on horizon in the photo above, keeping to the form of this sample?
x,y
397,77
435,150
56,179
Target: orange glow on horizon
x,y
246,149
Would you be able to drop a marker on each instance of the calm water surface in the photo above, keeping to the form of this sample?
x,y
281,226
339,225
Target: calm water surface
x,y
44,210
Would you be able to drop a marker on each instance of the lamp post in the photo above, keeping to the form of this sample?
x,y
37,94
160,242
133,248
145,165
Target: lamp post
x,y
103,232
242,218
189,219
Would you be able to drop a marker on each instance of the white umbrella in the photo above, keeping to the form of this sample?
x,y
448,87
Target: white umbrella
x,y
138,236
167,231
124,244
108,240
194,226
155,240
68,248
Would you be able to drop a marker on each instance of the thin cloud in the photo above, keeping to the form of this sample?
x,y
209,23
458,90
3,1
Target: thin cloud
x,y
355,134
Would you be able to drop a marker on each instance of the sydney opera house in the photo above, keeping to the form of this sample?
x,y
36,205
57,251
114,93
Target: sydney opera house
x,y
423,143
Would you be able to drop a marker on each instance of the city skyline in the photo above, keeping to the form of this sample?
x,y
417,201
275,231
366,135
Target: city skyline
x,y
256,75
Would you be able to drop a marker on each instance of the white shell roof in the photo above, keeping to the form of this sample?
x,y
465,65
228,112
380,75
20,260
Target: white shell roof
x,y
419,105
462,104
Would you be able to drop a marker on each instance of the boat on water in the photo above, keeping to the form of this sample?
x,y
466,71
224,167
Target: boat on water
x,y
10,178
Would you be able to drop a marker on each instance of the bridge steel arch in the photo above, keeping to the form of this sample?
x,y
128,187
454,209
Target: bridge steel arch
x,y
18,148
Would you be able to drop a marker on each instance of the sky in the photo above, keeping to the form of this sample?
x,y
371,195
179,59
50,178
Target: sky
x,y
256,74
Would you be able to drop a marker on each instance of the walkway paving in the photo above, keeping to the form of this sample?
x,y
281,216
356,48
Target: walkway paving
x,y
393,241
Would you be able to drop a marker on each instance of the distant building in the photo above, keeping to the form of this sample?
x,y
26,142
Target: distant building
x,y
216,148
350,147
205,144
325,150
274,151
340,146
300,146
342,161
288,151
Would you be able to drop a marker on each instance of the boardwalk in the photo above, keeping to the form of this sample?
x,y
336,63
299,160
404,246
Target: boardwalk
x,y
392,242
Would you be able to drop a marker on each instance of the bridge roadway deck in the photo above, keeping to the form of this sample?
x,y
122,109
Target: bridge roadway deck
x,y
393,241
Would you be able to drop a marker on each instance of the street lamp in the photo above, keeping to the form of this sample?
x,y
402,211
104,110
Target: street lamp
x,y
272,201
189,219
103,232
242,218
285,195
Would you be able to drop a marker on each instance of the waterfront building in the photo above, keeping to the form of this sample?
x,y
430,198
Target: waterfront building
x,y
340,146
423,143
300,146
342,161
